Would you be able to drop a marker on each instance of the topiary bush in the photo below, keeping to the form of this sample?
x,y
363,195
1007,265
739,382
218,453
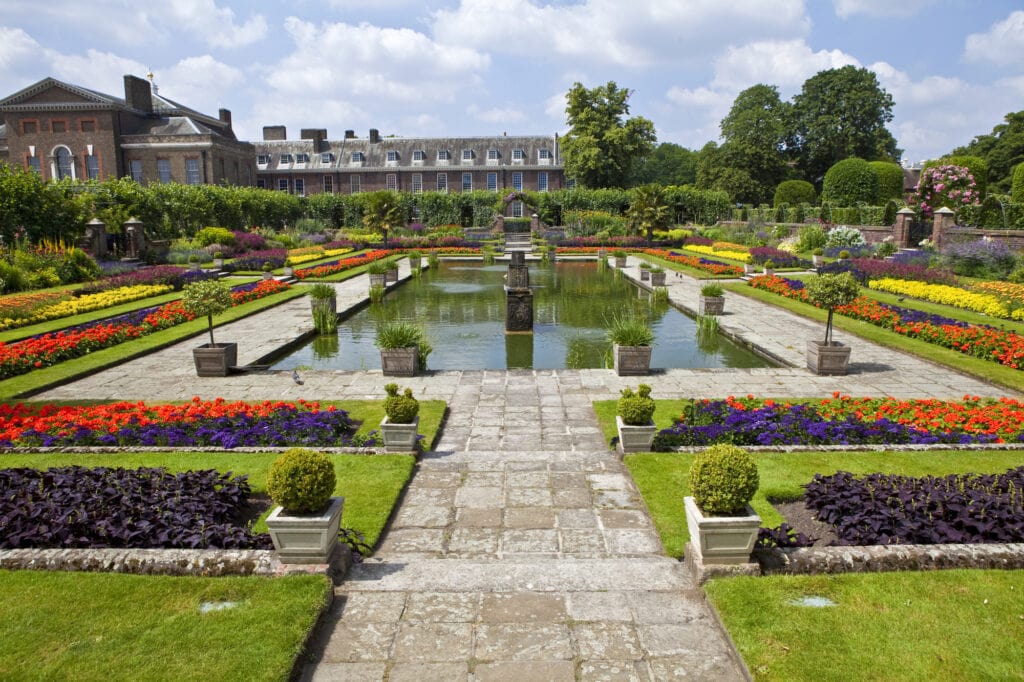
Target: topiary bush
x,y
1017,188
214,235
400,409
794,192
636,409
850,181
723,480
890,179
301,481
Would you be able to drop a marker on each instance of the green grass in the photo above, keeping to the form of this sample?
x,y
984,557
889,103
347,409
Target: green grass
x,y
371,412
663,478
370,484
941,625
95,626
982,369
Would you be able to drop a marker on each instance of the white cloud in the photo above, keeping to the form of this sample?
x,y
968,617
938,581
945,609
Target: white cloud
x,y
499,115
785,63
880,8
1003,43
103,71
200,83
16,47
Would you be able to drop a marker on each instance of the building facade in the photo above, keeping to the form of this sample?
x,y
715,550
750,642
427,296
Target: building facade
x,y
59,130
315,164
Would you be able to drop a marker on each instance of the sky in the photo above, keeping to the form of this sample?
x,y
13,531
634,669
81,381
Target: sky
x,y
414,68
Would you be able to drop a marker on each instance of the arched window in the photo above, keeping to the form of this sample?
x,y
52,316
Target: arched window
x,y
63,155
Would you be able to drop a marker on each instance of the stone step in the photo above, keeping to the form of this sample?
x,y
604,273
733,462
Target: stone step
x,y
533,575
555,458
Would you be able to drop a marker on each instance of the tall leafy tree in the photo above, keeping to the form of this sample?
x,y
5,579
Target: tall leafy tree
x,y
718,168
668,164
841,113
1002,149
755,135
602,144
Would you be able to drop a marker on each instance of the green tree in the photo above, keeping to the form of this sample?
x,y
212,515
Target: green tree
x,y
717,169
1002,149
841,113
647,210
755,135
602,145
382,211
668,164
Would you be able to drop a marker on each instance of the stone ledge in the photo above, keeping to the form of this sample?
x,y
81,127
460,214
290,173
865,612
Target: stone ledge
x,y
116,449
880,558
194,562
701,572
864,447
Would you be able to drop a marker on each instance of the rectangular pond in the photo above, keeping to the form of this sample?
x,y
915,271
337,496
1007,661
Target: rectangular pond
x,y
461,306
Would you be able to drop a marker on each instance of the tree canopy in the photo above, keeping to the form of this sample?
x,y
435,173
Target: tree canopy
x,y
1002,149
602,144
668,164
755,136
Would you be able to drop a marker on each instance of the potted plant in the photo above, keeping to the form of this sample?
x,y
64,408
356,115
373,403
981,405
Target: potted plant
x,y
631,338
414,262
830,291
401,420
712,299
657,276
645,271
207,298
304,525
288,269
722,525
323,302
843,255
403,348
193,261
818,257
634,418
268,270
391,274
769,267
378,273
218,259
620,258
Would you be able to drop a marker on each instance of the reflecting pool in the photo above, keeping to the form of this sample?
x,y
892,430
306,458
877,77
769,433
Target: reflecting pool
x,y
461,305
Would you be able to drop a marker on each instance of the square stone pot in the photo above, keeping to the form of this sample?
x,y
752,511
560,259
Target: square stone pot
x,y
658,279
391,276
645,275
321,303
635,438
721,539
632,360
215,360
830,360
378,280
711,305
400,362
399,437
306,538
620,262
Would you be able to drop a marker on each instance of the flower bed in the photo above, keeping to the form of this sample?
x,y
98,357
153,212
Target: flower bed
x,y
44,350
873,268
781,259
1013,293
712,266
159,274
846,421
16,307
882,509
742,256
88,303
254,260
451,250
213,423
342,265
987,304
980,341
308,254
147,508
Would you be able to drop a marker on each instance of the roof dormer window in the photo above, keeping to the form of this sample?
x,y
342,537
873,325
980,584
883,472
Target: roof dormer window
x,y
285,159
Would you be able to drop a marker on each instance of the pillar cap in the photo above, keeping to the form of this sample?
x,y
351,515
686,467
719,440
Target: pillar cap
x,y
945,210
905,210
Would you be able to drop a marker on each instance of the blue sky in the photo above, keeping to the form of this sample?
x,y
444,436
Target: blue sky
x,y
482,67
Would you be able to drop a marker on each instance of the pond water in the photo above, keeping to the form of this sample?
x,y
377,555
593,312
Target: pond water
x,y
461,306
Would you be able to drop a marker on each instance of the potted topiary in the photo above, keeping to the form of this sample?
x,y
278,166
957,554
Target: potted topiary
x,y
304,526
634,418
218,259
843,255
830,291
818,257
645,271
288,269
712,299
722,525
631,338
769,267
207,298
268,270
620,258
323,302
377,270
401,419
193,261
657,276
403,348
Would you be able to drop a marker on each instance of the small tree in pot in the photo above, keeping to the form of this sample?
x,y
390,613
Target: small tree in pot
x,y
634,418
830,291
207,298
723,527
401,419
304,527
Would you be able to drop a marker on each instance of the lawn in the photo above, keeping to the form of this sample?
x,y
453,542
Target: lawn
x,y
662,478
95,626
941,625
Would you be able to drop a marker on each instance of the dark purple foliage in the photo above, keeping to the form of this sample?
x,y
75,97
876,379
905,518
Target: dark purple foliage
x,y
145,508
874,268
254,260
697,240
884,509
782,536
909,316
840,266
781,259
911,257
248,241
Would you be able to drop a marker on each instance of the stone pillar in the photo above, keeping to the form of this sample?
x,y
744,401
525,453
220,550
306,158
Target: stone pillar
x,y
534,223
518,297
136,239
518,273
901,230
94,241
944,221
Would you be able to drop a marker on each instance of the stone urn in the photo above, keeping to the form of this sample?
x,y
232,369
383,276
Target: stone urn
x,y
721,539
635,438
306,538
830,359
399,437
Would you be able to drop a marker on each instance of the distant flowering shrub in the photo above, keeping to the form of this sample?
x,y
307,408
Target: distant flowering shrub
x,y
947,185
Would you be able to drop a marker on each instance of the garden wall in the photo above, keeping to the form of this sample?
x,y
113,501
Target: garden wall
x,y
880,558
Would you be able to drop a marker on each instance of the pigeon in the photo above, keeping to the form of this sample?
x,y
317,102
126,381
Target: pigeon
x,y
295,377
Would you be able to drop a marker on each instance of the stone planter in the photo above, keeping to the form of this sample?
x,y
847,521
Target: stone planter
x,y
378,281
215,360
632,360
749,269
268,275
721,539
414,264
306,538
620,262
818,260
769,271
645,275
194,267
658,279
831,360
399,362
218,262
711,305
602,254
399,437
321,303
391,276
289,271
635,438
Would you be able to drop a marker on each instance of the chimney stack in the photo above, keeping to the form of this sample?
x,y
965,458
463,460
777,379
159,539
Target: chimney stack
x,y
374,136
271,133
316,135
137,94
350,134
225,116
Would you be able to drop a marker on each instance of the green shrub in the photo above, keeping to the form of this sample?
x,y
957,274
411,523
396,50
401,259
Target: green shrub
x,y
630,330
850,181
12,278
77,266
636,409
794,192
890,179
214,235
1017,188
377,292
301,481
713,289
377,267
321,291
207,297
400,409
811,237
723,479
844,236
977,166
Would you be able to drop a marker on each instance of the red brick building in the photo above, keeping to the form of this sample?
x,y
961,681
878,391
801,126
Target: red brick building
x,y
61,130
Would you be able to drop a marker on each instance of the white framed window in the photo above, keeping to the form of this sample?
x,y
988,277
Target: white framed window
x,y
542,181
444,156
419,156
391,181
392,158
492,157
355,184
544,153
285,159
327,157
34,166
517,209
517,182
163,169
518,155
467,182
92,166
417,183
442,182
263,159
282,184
66,169
261,183
328,184
467,156
492,182
300,187
570,183
192,172
302,158
357,158
134,168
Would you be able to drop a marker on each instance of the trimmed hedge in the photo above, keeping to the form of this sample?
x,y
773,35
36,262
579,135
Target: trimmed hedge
x,y
849,182
1017,189
890,179
795,192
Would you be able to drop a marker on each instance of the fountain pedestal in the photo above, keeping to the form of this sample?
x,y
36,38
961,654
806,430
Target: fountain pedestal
x,y
518,297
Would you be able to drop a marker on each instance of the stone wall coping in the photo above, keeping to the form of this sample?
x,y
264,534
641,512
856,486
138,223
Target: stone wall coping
x,y
881,558
864,447
114,449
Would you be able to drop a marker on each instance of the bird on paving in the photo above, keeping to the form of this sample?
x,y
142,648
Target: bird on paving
x,y
295,377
